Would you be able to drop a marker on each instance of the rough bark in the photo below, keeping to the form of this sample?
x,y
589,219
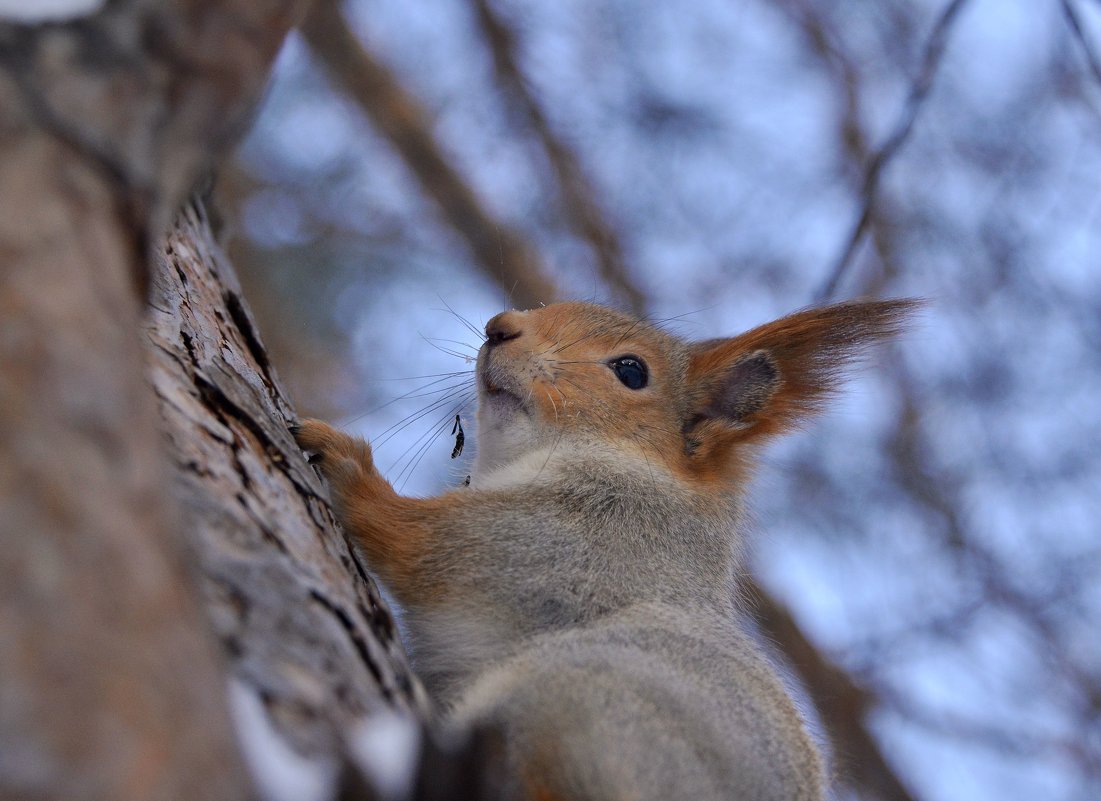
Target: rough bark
x,y
109,685
298,618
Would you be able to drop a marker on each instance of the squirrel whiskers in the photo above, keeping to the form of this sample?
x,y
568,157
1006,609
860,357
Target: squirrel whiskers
x,y
580,594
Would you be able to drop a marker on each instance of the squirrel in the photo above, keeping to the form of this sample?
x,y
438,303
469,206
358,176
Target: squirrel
x,y
581,594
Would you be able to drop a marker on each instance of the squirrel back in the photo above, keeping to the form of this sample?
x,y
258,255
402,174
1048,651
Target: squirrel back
x,y
580,594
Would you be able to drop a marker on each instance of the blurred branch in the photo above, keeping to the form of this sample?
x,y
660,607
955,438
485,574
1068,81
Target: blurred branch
x,y
578,193
1017,744
919,91
500,252
937,491
842,704
1088,50
823,42
871,652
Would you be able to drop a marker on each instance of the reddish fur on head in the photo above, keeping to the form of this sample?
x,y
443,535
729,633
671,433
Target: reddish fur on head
x,y
705,402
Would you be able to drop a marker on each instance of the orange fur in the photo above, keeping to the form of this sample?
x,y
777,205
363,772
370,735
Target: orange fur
x,y
393,531
558,355
811,349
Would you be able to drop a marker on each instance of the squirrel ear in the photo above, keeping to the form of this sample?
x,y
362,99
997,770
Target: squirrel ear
x,y
770,379
743,389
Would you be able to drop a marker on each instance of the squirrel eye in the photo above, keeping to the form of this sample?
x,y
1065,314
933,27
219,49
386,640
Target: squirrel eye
x,y
631,371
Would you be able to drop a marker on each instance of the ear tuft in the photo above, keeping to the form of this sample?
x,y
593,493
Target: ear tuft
x,y
770,379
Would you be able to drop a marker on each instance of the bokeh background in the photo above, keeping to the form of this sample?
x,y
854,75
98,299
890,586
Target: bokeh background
x,y
926,555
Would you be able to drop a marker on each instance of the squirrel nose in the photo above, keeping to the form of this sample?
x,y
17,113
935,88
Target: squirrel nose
x,y
502,328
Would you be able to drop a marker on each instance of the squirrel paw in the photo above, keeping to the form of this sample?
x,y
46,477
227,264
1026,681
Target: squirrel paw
x,y
341,458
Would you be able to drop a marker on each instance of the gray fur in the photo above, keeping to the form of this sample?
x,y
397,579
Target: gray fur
x,y
595,617
654,701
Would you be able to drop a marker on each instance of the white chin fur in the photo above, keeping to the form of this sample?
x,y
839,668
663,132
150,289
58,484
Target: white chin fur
x,y
526,468
505,433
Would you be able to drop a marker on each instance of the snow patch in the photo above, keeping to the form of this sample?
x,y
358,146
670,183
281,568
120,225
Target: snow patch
x,y
387,748
279,772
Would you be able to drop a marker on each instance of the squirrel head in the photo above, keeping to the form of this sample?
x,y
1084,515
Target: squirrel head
x,y
577,373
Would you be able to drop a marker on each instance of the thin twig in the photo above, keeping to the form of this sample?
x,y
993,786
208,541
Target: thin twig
x,y
1088,49
934,50
577,192
501,252
1024,743
823,44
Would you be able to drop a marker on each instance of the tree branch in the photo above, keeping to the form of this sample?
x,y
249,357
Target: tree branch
x,y
1093,61
301,624
919,90
499,251
577,193
842,704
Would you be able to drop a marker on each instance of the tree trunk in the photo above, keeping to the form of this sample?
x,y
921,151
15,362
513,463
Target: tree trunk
x,y
301,622
110,684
